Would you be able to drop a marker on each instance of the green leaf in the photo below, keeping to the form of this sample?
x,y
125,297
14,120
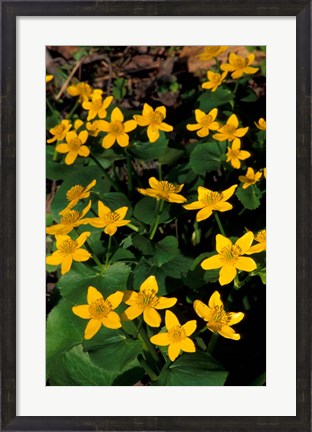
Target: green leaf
x,y
249,96
262,274
249,197
198,369
145,211
165,250
64,330
143,270
143,244
74,284
170,156
122,254
119,88
149,151
115,200
209,100
207,157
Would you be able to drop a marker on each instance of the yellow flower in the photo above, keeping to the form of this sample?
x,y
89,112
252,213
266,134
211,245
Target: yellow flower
x,y
59,131
74,146
176,337
209,201
235,154
69,250
250,178
211,51
82,89
95,128
154,121
218,321
264,172
99,311
261,124
214,80
117,130
205,122
163,190
230,130
239,65
146,302
260,238
69,220
97,106
230,257
49,78
78,192
108,219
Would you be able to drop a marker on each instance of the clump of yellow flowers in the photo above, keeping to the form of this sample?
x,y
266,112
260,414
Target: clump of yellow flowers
x,y
149,286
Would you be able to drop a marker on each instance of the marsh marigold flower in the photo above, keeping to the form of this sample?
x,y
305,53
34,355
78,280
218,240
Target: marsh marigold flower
x,y
163,190
74,146
264,173
95,127
250,178
82,89
99,311
239,65
211,51
208,201
108,219
205,122
117,129
77,193
154,121
146,302
70,219
97,106
218,321
176,337
235,154
69,250
261,124
49,78
59,131
230,130
230,257
260,246
214,80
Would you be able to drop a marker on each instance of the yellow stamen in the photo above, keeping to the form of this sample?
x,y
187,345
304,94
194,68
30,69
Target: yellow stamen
x,y
74,192
176,334
230,254
100,309
69,217
155,118
117,128
74,144
213,197
67,247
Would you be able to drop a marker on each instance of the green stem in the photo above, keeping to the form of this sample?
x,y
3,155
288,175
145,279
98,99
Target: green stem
x,y
98,163
157,219
148,344
212,343
89,249
53,111
219,223
147,368
218,64
133,227
129,171
236,86
73,109
108,251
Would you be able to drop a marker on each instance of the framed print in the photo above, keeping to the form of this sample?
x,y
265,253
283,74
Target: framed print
x,y
123,78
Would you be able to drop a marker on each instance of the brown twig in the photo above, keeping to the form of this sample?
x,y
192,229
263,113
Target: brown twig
x,y
77,65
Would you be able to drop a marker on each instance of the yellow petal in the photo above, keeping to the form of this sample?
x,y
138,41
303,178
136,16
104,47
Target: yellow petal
x,y
244,242
250,70
211,263
154,183
174,350
175,198
82,311
112,321
152,133
203,132
117,115
237,74
151,317
71,136
102,125
245,264
199,115
108,141
81,255
161,339
62,148
110,229
92,328
196,205
187,345
189,327
171,320
215,300
93,295
165,127
130,125
234,317
229,333
123,140
241,132
83,136
103,209
236,144
133,312
147,109
115,299
257,248
130,297
102,113
161,110
71,157
228,192
220,136
149,286
122,211
82,238
84,151
140,120
244,155
55,258
202,310
107,101
222,242
164,302
227,274
66,264
223,206
204,214
233,121
193,127
59,229
60,239
96,222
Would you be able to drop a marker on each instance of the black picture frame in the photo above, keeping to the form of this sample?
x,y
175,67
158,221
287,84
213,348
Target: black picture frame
x,y
301,9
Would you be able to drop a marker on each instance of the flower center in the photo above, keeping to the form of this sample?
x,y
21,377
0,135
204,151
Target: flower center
x,y
74,192
240,63
216,78
206,121
147,298
58,130
219,318
96,104
110,217
228,129
69,217
67,247
261,236
168,187
176,334
155,118
117,128
230,253
100,308
84,88
74,144
213,197
233,153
